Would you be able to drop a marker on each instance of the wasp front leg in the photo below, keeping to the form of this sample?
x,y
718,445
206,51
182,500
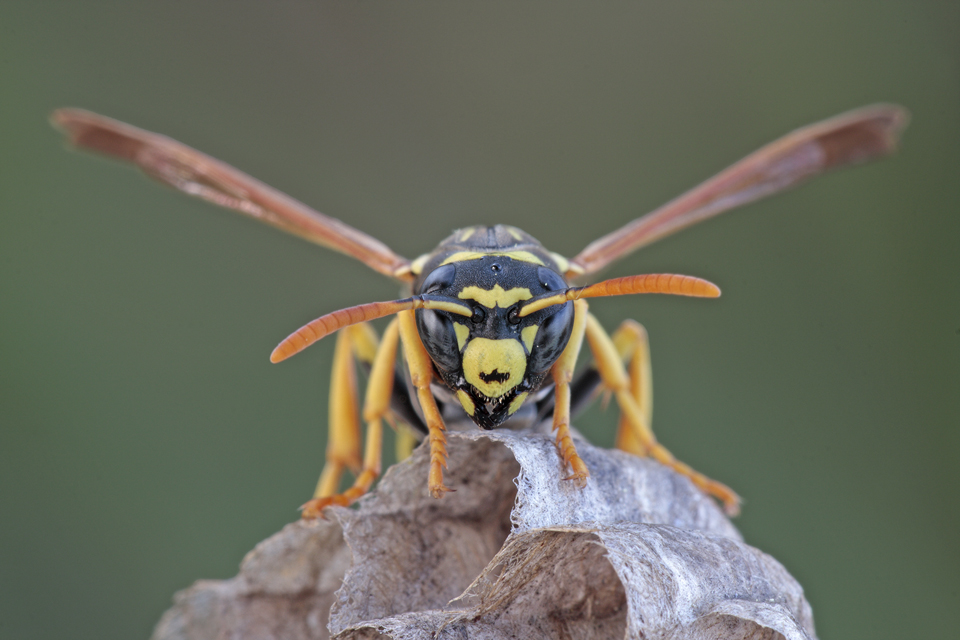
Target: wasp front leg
x,y
405,442
615,378
343,449
562,374
421,373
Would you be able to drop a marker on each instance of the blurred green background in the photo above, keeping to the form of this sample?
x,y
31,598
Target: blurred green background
x,y
145,439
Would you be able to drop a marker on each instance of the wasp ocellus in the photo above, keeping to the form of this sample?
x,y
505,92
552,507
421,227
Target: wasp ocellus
x,y
493,327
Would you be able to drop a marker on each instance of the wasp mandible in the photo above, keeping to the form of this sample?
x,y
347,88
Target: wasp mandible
x,y
493,327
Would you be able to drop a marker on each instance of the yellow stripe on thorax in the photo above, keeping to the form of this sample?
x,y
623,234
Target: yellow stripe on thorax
x,y
417,265
465,234
522,256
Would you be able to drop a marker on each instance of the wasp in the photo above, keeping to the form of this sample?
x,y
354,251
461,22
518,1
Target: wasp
x,y
493,326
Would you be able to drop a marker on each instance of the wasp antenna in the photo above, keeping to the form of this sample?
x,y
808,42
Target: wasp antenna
x,y
443,303
327,324
668,283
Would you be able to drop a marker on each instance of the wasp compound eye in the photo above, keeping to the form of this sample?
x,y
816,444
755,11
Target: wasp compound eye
x,y
551,338
550,279
439,338
439,279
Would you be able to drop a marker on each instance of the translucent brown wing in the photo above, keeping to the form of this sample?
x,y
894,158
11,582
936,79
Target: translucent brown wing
x,y
197,174
849,138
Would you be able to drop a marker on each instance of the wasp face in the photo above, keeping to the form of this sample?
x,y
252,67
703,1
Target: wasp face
x,y
494,359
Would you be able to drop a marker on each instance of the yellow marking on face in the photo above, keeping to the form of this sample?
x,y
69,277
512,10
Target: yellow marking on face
x,y
497,296
466,233
522,256
527,335
494,366
463,332
417,265
467,402
516,403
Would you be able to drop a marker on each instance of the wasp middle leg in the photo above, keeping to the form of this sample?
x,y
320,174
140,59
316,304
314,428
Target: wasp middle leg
x,y
633,347
616,379
344,446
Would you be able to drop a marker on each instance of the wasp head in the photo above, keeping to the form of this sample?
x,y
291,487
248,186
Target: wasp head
x,y
494,359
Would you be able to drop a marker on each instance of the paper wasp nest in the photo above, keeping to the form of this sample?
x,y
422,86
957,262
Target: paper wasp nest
x,y
515,552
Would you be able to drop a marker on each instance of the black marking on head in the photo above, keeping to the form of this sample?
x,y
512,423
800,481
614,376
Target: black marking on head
x,y
495,376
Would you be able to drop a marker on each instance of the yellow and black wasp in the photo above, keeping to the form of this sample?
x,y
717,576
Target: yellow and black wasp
x,y
492,328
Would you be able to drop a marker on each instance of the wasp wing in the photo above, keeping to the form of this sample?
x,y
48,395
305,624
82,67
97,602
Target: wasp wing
x,y
188,170
849,138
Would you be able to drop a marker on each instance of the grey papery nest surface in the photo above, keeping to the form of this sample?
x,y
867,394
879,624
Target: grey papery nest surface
x,y
515,552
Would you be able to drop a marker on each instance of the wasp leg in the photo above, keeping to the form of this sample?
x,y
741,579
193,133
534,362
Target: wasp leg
x,y
586,385
633,347
616,379
562,375
405,442
421,373
343,443
343,448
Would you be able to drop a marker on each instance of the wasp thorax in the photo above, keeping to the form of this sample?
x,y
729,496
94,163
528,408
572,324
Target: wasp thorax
x,y
494,358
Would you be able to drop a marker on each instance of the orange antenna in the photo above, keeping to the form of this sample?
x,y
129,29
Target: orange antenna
x,y
668,283
325,325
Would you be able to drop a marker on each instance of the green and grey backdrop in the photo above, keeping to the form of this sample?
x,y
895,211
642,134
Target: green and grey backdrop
x,y
145,439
